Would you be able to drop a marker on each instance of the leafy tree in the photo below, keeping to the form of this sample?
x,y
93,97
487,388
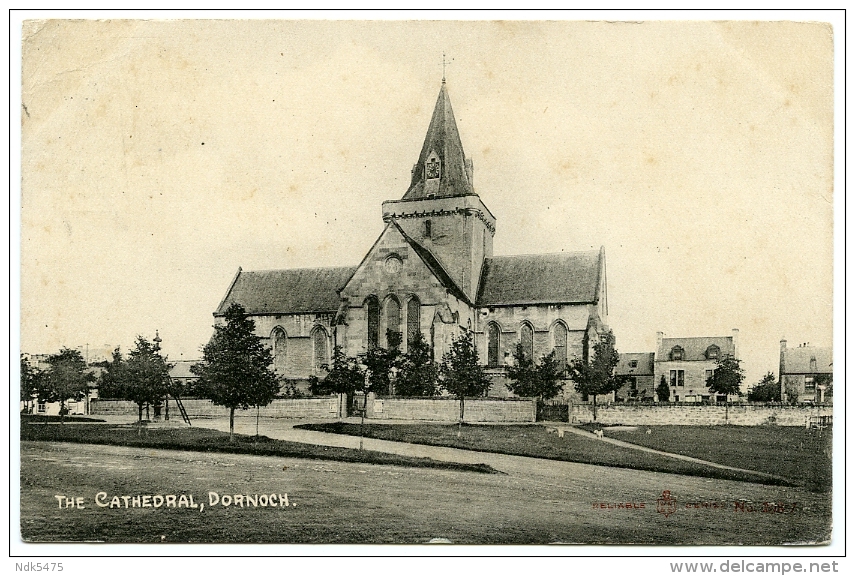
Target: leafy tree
x,y
826,380
663,391
598,376
727,377
461,373
113,379
344,375
382,363
542,380
767,390
30,382
235,368
419,374
65,380
144,375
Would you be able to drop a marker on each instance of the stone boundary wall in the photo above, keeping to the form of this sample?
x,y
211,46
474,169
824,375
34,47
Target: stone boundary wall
x,y
448,409
687,415
326,407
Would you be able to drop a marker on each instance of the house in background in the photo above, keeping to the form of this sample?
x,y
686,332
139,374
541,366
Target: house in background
x,y
180,374
686,363
805,373
639,366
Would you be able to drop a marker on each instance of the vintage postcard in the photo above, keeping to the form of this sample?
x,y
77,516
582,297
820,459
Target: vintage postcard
x,y
412,282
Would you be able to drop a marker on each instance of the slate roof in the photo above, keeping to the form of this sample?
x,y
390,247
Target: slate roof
x,y
297,291
444,139
181,369
566,278
694,348
645,364
798,360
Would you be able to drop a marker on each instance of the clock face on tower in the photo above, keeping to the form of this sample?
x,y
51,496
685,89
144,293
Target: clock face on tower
x,y
432,169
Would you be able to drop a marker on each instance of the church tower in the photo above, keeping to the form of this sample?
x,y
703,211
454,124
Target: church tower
x,y
441,210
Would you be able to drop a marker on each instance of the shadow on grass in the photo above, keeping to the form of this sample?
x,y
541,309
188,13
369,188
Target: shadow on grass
x,y
43,418
205,440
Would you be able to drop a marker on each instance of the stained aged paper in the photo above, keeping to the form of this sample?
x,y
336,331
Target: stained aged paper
x,y
158,156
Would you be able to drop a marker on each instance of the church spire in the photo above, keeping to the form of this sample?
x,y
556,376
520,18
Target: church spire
x,y
442,169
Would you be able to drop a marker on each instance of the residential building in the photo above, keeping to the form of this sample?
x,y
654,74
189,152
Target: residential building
x,y
639,367
805,373
687,363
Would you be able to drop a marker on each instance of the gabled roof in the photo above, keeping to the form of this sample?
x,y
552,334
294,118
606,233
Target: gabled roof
x,y
444,139
563,278
433,265
798,360
695,348
644,365
297,291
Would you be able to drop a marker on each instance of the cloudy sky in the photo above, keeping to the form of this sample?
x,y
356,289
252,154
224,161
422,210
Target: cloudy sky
x,y
158,156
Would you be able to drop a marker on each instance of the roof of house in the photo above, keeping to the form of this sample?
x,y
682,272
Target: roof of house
x,y
566,277
297,291
181,369
643,368
443,139
798,360
695,348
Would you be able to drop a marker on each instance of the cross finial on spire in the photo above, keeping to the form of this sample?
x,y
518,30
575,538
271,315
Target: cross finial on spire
x,y
443,67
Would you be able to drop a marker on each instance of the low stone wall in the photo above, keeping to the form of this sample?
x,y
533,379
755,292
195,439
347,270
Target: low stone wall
x,y
326,407
448,409
688,415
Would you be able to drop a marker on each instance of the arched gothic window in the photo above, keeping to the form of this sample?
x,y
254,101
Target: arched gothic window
x,y
492,344
319,348
280,350
559,342
393,316
414,311
527,339
373,315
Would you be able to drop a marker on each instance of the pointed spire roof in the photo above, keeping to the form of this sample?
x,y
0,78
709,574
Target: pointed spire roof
x,y
442,144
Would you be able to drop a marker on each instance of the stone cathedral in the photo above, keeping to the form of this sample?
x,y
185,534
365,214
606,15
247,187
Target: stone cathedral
x,y
432,270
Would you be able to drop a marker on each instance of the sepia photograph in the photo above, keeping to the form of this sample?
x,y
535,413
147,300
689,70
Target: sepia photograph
x,y
462,282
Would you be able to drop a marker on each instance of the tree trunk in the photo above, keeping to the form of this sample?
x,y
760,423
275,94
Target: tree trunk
x,y
231,424
362,421
460,420
257,410
595,407
62,411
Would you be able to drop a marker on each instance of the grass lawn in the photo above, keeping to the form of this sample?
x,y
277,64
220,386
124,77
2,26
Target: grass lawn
x,y
343,502
791,452
537,442
204,440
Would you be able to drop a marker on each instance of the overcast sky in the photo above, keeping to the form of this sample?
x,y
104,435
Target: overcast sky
x,y
158,156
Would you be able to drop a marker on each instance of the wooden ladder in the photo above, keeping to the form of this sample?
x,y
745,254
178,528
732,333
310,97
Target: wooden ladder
x,y
181,409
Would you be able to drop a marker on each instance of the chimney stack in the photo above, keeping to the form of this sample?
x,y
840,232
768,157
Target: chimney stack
x,y
659,336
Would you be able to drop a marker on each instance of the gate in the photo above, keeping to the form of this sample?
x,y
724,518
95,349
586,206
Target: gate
x,y
552,412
